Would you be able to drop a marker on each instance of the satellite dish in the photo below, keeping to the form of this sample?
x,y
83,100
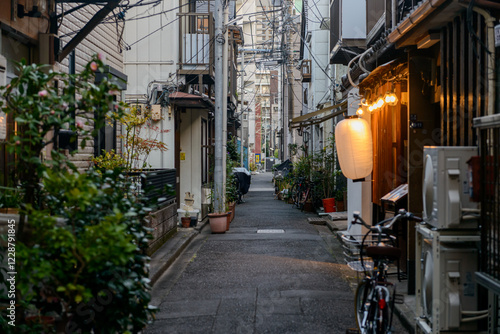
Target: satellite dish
x,y
428,187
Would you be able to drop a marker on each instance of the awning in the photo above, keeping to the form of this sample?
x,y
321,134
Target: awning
x,y
185,100
307,119
398,66
429,15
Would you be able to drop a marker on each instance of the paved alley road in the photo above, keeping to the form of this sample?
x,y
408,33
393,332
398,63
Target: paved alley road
x,y
254,279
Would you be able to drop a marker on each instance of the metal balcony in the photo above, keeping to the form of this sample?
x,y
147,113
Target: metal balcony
x,y
196,49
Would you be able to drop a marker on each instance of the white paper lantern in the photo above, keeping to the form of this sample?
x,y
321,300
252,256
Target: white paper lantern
x,y
353,138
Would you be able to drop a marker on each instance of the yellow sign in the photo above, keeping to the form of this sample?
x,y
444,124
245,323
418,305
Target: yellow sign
x,y
257,158
183,156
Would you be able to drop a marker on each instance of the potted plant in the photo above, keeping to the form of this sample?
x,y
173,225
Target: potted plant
x,y
340,201
325,164
186,220
10,200
217,218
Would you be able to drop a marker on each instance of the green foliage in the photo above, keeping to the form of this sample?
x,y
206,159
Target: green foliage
x,y
10,197
109,161
324,168
41,109
293,149
90,262
232,161
232,152
139,140
82,256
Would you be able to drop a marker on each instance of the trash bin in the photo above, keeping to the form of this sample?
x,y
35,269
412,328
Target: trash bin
x,y
244,178
284,168
270,162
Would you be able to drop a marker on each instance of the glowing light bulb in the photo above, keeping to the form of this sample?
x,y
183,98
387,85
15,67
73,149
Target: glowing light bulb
x,y
380,102
359,112
391,98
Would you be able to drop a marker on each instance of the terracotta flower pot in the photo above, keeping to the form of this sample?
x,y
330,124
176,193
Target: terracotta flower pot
x,y
232,207
228,220
218,222
186,221
329,204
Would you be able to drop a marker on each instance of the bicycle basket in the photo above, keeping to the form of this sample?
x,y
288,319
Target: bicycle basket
x,y
353,254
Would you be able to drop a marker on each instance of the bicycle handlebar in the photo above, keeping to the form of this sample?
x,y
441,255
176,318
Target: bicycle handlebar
x,y
380,226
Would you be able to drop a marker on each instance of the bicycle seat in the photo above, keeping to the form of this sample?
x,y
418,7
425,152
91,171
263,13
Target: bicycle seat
x,y
380,252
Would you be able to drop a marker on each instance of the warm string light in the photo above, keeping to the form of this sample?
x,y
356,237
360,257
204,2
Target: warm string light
x,y
360,111
389,99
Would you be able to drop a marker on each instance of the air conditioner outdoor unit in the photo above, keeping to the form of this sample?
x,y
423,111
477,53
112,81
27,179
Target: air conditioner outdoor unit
x,y
445,188
446,288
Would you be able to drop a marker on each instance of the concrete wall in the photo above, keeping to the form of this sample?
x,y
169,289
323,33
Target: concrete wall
x,y
190,147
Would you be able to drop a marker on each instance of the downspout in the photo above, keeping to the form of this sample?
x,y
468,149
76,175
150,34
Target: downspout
x,y
394,13
491,57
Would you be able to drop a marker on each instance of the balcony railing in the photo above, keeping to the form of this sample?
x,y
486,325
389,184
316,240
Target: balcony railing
x,y
306,70
196,49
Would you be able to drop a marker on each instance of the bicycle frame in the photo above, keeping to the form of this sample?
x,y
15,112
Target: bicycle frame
x,y
374,309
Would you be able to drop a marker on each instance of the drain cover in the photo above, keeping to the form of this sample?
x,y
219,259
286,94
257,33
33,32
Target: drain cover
x,y
270,231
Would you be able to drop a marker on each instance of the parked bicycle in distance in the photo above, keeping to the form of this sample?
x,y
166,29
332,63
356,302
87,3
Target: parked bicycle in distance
x,y
375,296
301,192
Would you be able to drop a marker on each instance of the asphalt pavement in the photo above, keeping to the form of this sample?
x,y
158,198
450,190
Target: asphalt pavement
x,y
272,272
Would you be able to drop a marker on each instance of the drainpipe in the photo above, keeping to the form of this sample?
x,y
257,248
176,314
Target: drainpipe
x,y
490,22
394,14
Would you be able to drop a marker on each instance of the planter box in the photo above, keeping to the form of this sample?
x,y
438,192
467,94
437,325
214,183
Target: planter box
x,y
164,225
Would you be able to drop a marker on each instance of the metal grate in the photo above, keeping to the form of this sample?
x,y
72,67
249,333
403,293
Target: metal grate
x,y
490,200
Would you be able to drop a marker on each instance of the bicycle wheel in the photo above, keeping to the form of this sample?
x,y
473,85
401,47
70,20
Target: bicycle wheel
x,y
365,309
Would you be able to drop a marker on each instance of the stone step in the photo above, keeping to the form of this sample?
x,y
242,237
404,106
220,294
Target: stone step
x,y
317,220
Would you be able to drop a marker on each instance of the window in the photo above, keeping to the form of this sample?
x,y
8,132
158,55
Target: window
x,y
105,139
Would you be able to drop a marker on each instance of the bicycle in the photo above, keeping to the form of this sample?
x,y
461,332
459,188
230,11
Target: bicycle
x,y
375,296
301,192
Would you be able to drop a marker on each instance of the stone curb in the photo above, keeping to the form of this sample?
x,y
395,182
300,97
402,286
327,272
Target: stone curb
x,y
166,254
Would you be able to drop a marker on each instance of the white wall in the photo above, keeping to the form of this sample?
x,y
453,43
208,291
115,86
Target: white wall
x,y
166,159
190,145
154,57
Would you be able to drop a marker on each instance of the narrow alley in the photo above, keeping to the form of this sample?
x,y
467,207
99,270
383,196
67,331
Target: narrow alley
x,y
272,272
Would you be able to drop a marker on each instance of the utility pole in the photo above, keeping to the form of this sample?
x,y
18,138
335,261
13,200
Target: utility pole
x,y
219,166
242,108
225,66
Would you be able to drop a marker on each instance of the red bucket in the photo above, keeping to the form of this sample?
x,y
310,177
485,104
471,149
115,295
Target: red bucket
x,y
329,204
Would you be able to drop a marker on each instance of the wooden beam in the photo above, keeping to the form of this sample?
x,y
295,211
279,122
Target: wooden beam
x,y
87,29
444,86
